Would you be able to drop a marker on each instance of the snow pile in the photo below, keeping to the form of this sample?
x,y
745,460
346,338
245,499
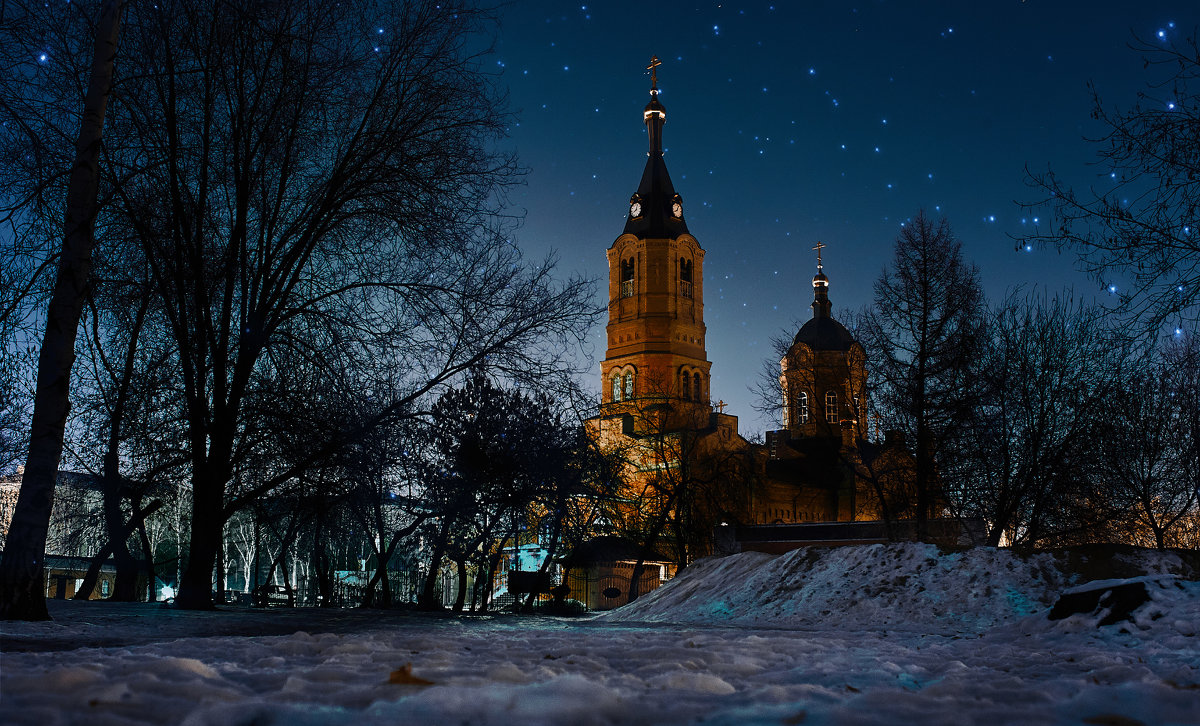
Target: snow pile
x,y
881,635
908,586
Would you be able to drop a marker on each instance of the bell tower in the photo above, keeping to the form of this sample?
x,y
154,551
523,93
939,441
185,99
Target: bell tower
x,y
823,376
655,290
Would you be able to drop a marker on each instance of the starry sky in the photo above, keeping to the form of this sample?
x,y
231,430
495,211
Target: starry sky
x,y
794,122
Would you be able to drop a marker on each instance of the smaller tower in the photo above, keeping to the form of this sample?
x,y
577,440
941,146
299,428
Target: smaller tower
x,y
823,375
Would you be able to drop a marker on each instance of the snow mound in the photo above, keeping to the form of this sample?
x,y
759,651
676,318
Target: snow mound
x,y
903,586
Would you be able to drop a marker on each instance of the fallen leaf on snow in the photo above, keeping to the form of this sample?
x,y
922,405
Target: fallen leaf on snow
x,y
403,676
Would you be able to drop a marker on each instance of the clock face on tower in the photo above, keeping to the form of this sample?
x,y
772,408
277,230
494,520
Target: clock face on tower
x,y
635,209
677,209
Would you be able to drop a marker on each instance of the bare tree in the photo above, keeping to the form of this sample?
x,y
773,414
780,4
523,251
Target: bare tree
x,y
1035,455
1140,223
1150,447
925,333
22,567
294,183
684,473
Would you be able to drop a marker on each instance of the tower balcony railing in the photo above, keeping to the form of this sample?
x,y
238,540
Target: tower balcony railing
x,y
685,289
626,288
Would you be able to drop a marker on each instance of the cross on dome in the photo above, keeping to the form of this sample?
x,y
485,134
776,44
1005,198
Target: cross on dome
x,y
820,246
653,68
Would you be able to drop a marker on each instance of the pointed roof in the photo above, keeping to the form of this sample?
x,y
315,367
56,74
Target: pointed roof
x,y
656,194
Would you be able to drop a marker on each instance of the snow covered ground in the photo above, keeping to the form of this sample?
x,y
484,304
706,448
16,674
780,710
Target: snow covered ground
x,y
865,635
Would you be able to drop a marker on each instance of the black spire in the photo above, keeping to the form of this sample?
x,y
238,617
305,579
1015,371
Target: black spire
x,y
659,210
820,303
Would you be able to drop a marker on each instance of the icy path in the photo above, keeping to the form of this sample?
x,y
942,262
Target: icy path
x,y
543,671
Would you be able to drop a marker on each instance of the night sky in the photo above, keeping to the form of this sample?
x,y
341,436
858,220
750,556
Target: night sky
x,y
790,123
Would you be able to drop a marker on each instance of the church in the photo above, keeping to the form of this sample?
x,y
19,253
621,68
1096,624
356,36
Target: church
x,y
657,407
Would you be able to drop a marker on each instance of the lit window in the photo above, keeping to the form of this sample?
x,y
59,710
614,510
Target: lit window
x,y
628,385
616,388
802,407
786,409
831,409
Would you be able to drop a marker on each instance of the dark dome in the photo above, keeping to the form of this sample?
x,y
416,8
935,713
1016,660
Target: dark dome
x,y
822,333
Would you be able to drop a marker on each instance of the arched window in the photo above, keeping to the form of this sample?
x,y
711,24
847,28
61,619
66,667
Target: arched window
x,y
629,385
627,269
685,278
802,407
627,277
616,387
831,409
696,395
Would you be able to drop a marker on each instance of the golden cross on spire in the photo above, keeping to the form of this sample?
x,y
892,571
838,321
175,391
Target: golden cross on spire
x,y
720,405
820,246
653,68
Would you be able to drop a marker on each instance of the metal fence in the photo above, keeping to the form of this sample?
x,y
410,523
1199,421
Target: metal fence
x,y
593,589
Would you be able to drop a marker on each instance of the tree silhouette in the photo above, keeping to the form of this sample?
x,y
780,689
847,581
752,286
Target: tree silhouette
x,y
924,333
1141,225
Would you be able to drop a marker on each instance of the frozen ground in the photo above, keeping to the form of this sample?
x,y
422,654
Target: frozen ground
x,y
871,635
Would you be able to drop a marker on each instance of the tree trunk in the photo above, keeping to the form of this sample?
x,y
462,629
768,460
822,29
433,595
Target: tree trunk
x,y
461,598
22,570
493,563
84,592
426,601
195,586
148,553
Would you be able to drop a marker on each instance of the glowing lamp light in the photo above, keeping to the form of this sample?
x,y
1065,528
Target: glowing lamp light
x,y
1162,34
42,58
1112,288
1178,332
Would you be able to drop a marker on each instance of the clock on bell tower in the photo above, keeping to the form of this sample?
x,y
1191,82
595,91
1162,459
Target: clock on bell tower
x,y
655,290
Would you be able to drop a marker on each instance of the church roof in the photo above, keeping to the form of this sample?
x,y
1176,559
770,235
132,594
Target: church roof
x,y
655,194
610,548
824,333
